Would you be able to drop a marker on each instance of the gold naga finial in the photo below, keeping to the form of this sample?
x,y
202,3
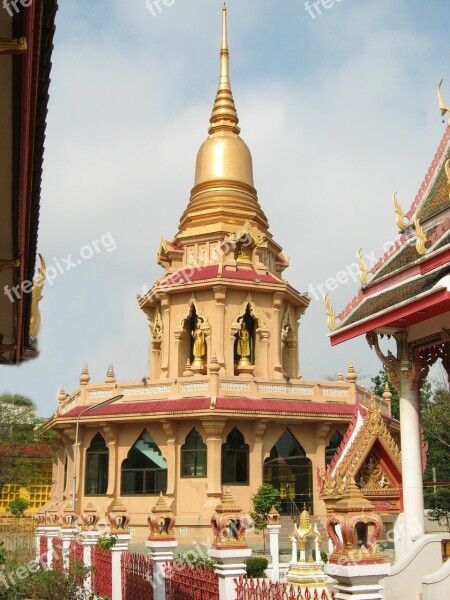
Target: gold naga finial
x,y
443,108
363,269
36,297
331,321
399,212
224,115
421,237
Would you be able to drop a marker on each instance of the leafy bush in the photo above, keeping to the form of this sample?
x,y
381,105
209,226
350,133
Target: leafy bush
x,y
17,507
107,541
194,559
256,565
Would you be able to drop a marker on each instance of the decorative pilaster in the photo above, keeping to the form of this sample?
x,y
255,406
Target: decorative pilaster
x,y
165,307
214,428
170,431
256,457
219,296
276,335
262,367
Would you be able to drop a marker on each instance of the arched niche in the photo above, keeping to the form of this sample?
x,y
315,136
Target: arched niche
x,y
193,318
97,465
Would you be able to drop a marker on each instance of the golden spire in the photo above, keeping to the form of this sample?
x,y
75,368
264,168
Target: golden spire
x,y
224,115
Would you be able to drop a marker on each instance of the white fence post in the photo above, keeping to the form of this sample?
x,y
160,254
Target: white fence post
x,y
274,533
89,539
121,545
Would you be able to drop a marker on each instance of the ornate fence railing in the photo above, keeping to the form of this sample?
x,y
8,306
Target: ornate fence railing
x,y
76,561
185,582
43,547
101,571
255,589
137,572
57,560
17,536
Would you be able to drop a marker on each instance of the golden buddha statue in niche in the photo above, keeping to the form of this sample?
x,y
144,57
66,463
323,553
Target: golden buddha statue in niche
x,y
243,345
199,349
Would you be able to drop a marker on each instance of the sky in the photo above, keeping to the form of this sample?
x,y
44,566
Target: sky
x,y
339,110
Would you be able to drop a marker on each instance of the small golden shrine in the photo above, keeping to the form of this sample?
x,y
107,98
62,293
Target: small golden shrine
x,y
307,569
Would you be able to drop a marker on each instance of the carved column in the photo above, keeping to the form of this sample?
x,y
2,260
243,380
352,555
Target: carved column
x,y
230,352
262,359
219,295
155,367
165,307
318,458
276,334
256,457
170,428
175,358
111,435
214,428
400,370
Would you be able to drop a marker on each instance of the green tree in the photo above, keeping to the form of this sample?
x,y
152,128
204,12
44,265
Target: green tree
x,y
436,428
438,503
379,383
23,448
265,497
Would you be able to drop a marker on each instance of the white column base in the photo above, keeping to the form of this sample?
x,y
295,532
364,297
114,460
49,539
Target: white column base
x,y
121,545
274,533
89,539
230,566
160,551
358,582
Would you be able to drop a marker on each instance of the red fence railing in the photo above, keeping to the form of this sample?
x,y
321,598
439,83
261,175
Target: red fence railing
x,y
185,582
76,561
43,547
255,589
137,574
101,571
57,561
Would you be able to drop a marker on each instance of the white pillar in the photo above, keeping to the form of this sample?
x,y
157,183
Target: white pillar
x,y
89,539
121,545
160,551
358,582
52,532
67,536
274,533
413,506
230,566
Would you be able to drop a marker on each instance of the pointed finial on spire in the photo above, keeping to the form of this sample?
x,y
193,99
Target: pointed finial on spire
x,y
224,116
110,377
85,377
340,377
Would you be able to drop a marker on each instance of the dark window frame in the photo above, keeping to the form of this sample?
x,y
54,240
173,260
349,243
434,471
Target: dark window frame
x,y
231,457
98,454
202,450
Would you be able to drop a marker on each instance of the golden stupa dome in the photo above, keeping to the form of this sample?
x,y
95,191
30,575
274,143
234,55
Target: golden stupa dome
x,y
223,191
224,156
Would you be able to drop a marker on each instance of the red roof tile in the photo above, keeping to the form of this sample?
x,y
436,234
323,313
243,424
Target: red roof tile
x,y
234,404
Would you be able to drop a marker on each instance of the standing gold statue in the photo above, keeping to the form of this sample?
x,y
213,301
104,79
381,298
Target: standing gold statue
x,y
243,345
199,349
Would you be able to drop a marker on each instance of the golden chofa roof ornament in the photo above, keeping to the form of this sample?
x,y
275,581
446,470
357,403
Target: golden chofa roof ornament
x,y
363,269
421,237
400,220
442,107
36,297
331,315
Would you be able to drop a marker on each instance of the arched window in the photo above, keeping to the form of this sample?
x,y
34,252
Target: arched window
x,y
290,471
193,456
235,458
144,471
97,462
330,450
